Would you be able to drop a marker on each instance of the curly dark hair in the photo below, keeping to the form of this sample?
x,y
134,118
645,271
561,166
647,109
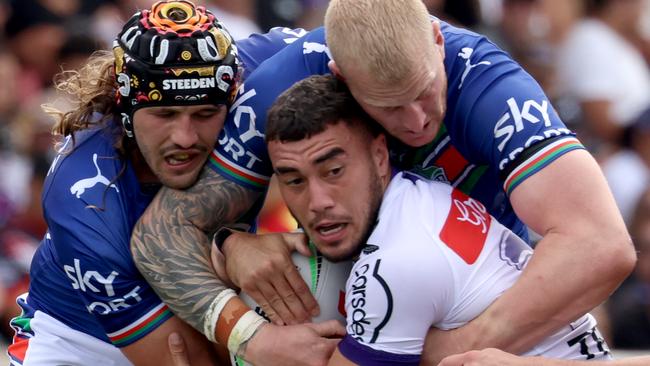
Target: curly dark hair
x,y
312,104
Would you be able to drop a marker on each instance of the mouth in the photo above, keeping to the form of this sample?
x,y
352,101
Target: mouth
x,y
330,233
330,229
178,159
181,159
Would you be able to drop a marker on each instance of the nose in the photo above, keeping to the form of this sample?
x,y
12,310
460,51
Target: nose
x,y
183,132
414,117
320,198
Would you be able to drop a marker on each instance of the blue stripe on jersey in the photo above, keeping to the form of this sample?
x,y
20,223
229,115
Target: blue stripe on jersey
x,y
367,356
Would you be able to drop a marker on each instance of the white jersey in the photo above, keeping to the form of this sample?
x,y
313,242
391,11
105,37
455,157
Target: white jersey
x,y
436,258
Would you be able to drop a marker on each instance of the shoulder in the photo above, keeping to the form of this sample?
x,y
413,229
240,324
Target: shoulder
x,y
259,47
471,56
303,56
410,192
91,193
90,153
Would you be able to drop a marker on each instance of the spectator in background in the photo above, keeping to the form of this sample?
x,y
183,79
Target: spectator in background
x,y
36,31
628,169
530,31
306,14
237,16
600,67
630,307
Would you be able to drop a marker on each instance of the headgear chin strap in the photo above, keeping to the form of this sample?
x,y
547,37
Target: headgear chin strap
x,y
176,53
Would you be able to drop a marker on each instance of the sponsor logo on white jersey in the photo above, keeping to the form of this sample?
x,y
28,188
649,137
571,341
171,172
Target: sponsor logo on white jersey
x,y
80,186
473,212
357,293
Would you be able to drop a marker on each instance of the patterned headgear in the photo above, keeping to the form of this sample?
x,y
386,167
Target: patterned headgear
x,y
175,53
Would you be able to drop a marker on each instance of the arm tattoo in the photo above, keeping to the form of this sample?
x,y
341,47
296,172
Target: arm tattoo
x,y
171,247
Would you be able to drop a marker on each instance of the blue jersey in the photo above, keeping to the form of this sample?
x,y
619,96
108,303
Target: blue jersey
x,y
499,128
83,273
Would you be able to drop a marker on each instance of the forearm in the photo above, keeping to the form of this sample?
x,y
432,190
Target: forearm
x,y
555,289
171,246
540,361
584,255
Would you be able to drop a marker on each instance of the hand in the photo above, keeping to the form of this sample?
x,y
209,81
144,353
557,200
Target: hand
x,y
219,266
486,357
177,350
261,266
310,344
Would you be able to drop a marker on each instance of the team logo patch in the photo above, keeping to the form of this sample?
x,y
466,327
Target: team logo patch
x,y
466,227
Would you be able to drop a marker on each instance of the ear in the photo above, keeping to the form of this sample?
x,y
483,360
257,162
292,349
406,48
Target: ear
x,y
335,70
379,150
438,38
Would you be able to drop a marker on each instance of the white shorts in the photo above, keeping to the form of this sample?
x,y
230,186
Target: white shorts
x,y
51,342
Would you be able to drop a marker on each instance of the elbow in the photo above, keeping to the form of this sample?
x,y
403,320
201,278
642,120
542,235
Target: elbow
x,y
618,258
627,258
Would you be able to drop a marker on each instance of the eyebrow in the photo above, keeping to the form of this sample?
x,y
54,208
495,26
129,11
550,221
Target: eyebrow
x,y
329,155
319,160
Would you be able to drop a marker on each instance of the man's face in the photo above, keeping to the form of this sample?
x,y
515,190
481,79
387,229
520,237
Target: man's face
x,y
176,141
333,183
412,112
413,109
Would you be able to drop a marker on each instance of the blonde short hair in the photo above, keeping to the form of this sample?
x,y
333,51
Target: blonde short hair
x,y
382,38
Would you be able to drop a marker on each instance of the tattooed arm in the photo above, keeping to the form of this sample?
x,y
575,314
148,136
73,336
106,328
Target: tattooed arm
x,y
171,247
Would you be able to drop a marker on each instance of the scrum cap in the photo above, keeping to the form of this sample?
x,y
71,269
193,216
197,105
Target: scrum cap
x,y
175,53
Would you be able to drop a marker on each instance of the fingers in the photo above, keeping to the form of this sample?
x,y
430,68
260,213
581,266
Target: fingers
x,y
286,299
177,350
298,242
302,300
273,305
328,329
219,265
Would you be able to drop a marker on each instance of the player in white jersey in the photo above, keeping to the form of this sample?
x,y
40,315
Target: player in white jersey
x,y
427,254
469,115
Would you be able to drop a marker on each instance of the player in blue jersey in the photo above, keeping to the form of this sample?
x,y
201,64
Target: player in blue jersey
x,y
147,114
425,254
461,111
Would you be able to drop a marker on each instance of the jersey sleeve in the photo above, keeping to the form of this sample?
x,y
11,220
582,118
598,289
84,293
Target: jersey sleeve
x,y
501,111
240,154
92,246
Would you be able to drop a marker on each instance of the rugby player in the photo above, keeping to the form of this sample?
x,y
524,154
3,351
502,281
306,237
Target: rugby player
x,y
146,114
460,111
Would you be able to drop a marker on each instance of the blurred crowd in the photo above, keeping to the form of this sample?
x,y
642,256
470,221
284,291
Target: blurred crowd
x,y
592,57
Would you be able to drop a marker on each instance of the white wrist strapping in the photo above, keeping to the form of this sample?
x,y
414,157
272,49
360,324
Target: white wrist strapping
x,y
212,315
243,331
